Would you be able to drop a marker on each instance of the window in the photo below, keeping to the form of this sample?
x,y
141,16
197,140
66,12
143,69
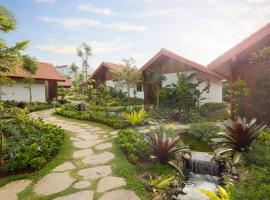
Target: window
x,y
139,87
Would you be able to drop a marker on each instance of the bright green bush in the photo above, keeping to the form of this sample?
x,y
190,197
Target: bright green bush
x,y
135,118
133,144
204,131
30,142
256,186
34,106
111,119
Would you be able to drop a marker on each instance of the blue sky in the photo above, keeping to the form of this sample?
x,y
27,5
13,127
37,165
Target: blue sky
x,y
198,30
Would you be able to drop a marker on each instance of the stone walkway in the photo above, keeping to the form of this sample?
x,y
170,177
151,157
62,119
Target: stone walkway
x,y
88,174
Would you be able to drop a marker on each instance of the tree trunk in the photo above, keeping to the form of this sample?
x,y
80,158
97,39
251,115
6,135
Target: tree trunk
x,y
128,89
157,95
1,144
30,93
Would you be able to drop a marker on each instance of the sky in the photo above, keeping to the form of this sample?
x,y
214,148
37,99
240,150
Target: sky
x,y
117,29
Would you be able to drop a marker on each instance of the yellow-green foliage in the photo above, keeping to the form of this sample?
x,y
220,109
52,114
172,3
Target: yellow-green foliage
x,y
135,118
222,194
160,183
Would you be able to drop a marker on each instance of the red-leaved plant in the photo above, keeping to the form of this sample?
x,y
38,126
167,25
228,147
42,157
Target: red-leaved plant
x,y
238,138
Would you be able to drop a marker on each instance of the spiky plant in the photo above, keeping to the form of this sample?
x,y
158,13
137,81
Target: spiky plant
x,y
163,147
80,106
238,138
21,104
175,115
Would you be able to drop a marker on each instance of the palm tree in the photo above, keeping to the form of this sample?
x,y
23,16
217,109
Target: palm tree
x,y
84,52
74,71
129,76
155,77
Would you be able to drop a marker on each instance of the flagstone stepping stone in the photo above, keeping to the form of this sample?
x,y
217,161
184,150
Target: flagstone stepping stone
x,y
119,194
53,183
10,190
110,182
97,159
114,132
95,172
144,131
84,195
87,136
100,132
103,146
82,184
75,139
63,167
82,153
86,144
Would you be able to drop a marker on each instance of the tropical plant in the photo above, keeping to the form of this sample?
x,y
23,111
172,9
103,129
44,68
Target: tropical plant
x,y
155,77
163,147
222,194
31,66
158,184
238,92
135,118
85,52
238,138
21,104
128,77
74,71
175,115
80,106
188,92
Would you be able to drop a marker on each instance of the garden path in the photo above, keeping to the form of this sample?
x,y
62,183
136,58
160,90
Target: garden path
x,y
87,174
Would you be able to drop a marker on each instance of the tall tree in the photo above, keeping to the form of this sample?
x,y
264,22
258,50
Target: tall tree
x,y
9,59
74,71
31,66
155,77
85,52
129,76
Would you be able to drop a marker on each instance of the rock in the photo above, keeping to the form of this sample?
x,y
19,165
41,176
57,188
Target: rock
x,y
87,136
86,144
53,183
110,182
10,190
187,156
82,184
84,195
95,172
82,153
63,167
103,146
101,158
120,195
114,132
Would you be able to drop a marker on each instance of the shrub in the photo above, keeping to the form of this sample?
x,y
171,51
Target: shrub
x,y
80,106
207,108
30,143
175,115
255,186
204,131
238,138
133,144
114,120
21,104
135,118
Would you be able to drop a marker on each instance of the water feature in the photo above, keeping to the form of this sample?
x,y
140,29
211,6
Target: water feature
x,y
203,173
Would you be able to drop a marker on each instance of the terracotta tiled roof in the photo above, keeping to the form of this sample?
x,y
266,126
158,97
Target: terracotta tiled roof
x,y
111,66
66,83
181,59
45,71
247,42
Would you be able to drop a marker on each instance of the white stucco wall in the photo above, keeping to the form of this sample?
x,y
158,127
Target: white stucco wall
x,y
140,95
215,90
19,92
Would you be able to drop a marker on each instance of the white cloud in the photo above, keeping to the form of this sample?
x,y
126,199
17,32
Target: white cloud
x,y
160,12
46,1
75,23
92,9
98,47
124,26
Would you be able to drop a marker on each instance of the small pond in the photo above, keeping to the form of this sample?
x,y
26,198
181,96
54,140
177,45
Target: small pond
x,y
195,144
